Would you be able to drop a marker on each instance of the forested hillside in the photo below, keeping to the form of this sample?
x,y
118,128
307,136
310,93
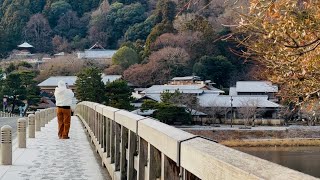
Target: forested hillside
x,y
157,40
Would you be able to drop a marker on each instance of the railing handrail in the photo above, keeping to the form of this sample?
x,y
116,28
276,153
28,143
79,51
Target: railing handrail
x,y
128,142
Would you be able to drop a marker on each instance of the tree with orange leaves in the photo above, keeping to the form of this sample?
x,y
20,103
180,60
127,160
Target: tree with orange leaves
x,y
284,35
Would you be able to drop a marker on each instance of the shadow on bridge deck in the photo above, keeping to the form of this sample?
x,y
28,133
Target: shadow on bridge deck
x,y
48,157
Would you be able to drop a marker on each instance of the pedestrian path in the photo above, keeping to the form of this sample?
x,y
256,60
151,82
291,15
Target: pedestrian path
x,y
48,157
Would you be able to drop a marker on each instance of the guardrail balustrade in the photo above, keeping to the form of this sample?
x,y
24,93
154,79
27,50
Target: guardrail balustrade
x,y
136,147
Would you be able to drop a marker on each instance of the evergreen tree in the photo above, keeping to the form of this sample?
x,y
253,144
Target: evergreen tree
x,y
14,89
20,86
89,85
167,112
118,95
217,69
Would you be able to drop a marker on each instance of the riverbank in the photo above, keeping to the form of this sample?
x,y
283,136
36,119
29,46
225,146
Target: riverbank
x,y
272,142
262,136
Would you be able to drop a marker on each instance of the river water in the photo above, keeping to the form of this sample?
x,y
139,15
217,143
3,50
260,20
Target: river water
x,y
303,159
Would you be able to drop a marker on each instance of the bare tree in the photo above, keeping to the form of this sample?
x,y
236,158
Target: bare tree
x,y
217,111
38,32
63,66
310,111
162,66
248,110
190,101
60,44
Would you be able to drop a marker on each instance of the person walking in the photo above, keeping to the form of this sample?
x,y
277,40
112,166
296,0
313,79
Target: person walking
x,y
63,97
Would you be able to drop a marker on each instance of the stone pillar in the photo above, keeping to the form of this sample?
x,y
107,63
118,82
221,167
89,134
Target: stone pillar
x,y
42,118
46,113
31,125
6,145
22,142
37,121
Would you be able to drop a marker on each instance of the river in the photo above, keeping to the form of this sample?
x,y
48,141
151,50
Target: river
x,y
303,159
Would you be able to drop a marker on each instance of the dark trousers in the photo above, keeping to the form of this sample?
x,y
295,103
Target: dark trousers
x,y
64,118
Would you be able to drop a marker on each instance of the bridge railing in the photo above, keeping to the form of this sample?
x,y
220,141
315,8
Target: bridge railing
x,y
136,147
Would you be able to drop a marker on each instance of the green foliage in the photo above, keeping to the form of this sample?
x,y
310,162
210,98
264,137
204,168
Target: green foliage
x,y
125,57
168,10
32,90
14,89
140,30
217,69
149,104
110,27
165,13
10,68
36,6
89,85
14,18
118,95
167,112
57,9
171,114
20,86
82,6
24,64
167,96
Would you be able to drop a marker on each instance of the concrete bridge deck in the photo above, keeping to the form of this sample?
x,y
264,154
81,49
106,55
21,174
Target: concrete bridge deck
x,y
48,157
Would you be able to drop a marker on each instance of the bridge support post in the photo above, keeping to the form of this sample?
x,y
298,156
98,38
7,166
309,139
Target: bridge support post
x,y
38,122
31,125
22,142
6,145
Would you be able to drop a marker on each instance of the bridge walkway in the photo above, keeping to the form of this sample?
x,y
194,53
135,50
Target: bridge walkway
x,y
48,157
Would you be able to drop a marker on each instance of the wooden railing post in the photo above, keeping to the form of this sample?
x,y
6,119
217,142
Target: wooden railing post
x,y
123,158
154,164
169,170
112,138
132,145
142,158
117,146
108,136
